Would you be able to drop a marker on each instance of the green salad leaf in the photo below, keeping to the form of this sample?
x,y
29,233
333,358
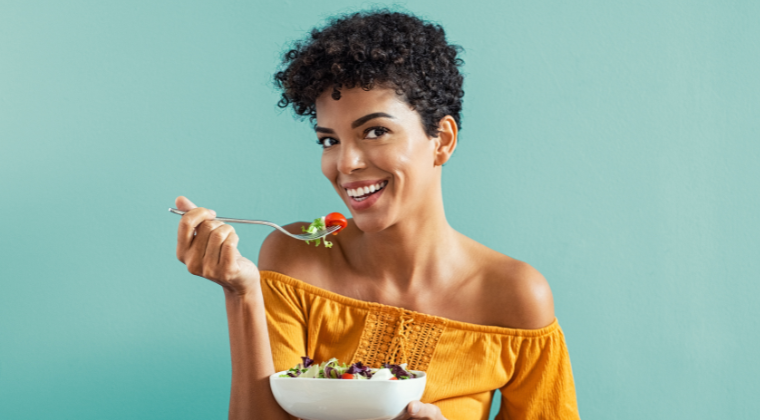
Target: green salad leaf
x,y
316,226
331,369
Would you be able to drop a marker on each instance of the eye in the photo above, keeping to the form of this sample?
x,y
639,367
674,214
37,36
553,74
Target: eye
x,y
326,142
375,132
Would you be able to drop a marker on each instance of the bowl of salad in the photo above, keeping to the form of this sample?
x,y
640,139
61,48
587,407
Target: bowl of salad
x,y
334,391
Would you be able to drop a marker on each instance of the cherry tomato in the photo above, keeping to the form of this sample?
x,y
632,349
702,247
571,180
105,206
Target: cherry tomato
x,y
333,219
394,379
347,375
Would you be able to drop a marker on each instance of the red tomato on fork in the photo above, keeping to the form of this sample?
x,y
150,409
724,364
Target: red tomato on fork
x,y
333,219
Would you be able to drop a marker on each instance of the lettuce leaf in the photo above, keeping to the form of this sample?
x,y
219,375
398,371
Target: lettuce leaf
x,y
316,226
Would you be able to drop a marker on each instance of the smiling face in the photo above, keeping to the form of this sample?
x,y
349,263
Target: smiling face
x,y
378,157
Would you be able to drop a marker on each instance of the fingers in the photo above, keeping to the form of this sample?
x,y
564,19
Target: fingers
x,y
418,410
208,248
214,245
187,229
197,251
182,203
230,251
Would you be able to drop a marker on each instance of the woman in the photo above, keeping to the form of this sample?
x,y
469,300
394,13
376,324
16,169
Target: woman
x,y
399,284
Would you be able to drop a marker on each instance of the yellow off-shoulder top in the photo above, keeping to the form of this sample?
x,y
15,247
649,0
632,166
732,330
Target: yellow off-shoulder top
x,y
464,362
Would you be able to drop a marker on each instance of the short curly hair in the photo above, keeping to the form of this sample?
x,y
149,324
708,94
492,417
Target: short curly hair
x,y
376,48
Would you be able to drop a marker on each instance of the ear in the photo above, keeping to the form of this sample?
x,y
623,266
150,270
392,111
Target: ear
x,y
446,141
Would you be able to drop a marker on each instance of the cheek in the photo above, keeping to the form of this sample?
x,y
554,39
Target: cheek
x,y
415,155
389,159
418,165
328,167
406,161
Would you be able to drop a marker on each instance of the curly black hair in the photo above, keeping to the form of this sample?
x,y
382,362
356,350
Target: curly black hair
x,y
376,48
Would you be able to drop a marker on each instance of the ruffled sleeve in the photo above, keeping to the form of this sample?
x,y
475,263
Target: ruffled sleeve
x,y
541,385
286,320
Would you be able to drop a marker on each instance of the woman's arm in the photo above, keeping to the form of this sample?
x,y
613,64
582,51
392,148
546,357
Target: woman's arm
x,y
251,397
209,249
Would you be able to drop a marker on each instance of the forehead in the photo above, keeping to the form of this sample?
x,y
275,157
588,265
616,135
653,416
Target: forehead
x,y
356,103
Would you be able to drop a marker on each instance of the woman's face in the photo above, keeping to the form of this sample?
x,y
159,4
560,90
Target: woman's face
x,y
377,156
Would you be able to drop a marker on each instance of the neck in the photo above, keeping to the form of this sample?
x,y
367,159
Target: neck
x,y
415,252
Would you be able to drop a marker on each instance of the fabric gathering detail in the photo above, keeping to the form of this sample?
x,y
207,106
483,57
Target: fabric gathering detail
x,y
345,300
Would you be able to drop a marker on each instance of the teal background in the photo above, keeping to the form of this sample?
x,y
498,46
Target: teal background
x,y
613,146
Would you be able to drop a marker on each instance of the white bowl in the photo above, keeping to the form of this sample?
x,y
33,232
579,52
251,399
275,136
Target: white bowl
x,y
345,399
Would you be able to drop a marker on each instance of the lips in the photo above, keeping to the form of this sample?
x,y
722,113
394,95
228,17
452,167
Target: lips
x,y
363,194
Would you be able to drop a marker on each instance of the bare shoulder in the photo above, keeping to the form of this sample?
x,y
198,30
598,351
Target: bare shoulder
x,y
517,294
283,254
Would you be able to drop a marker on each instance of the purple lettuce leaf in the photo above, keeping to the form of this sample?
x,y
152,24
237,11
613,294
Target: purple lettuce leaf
x,y
359,369
398,371
331,373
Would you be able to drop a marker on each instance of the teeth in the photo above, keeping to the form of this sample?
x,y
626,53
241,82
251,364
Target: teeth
x,y
362,191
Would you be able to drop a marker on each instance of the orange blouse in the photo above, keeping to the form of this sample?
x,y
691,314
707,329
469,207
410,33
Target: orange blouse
x,y
464,362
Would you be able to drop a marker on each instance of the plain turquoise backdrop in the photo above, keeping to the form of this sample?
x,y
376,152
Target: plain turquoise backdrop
x,y
612,145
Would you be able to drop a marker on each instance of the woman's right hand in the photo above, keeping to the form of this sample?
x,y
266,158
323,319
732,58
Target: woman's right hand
x,y
209,249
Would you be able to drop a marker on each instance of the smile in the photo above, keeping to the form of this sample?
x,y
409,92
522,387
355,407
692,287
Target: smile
x,y
362,193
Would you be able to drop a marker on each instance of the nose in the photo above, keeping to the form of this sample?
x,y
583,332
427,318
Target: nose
x,y
351,158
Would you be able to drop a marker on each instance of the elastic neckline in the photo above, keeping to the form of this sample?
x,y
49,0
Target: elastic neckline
x,y
449,323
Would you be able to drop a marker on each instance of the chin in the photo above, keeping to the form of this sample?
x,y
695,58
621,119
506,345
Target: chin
x,y
369,224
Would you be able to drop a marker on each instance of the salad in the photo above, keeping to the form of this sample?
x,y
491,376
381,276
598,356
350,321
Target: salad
x,y
323,223
331,369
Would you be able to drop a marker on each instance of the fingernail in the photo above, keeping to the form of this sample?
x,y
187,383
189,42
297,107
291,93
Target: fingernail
x,y
213,213
415,407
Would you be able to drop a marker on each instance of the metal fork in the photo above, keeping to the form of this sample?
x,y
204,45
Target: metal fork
x,y
303,236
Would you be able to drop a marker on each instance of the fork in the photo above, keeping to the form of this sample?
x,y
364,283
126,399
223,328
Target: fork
x,y
303,236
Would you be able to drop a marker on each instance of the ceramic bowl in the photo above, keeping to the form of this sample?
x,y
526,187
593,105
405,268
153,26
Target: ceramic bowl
x,y
343,399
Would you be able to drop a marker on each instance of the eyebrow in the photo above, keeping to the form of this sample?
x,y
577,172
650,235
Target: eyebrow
x,y
357,123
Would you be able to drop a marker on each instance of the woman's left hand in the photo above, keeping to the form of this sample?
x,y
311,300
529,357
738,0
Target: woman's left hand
x,y
418,410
